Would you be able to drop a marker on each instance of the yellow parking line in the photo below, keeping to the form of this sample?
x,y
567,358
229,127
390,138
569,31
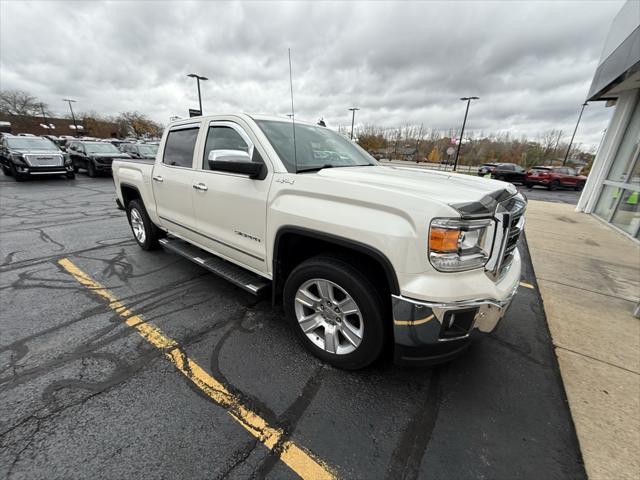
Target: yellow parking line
x,y
297,458
526,285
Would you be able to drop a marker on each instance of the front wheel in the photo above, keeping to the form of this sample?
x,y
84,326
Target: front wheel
x,y
6,171
554,185
17,176
144,231
70,175
91,170
335,311
579,187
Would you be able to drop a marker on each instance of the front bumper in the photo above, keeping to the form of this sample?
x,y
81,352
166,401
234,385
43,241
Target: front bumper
x,y
29,170
429,332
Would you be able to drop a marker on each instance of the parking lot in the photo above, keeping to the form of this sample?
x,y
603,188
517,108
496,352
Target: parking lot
x,y
87,392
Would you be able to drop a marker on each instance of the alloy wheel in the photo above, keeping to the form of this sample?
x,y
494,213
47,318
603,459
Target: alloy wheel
x,y
329,316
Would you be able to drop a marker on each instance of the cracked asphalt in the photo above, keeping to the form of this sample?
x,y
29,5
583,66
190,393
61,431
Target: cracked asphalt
x,y
82,395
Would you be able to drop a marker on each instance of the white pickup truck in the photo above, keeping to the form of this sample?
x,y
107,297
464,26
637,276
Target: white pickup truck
x,y
362,255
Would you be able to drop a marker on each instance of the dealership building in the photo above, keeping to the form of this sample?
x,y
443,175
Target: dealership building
x,y
612,190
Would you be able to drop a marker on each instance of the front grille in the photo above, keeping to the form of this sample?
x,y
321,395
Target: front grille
x,y
53,160
510,220
104,161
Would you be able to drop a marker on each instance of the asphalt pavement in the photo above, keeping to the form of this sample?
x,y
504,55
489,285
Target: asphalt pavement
x,y
83,394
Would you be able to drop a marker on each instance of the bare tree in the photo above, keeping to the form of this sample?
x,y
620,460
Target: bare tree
x,y
18,102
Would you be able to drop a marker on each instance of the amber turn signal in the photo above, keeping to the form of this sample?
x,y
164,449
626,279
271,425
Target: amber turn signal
x,y
444,240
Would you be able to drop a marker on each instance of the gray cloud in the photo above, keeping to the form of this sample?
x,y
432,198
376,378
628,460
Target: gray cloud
x,y
401,63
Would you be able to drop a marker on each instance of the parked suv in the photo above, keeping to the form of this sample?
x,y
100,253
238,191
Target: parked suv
x,y
555,177
140,150
23,156
508,172
94,157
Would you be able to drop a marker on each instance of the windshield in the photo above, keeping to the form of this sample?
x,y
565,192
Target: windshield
x,y
30,143
149,150
316,147
100,148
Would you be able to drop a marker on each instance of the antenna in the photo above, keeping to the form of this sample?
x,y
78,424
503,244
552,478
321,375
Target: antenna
x,y
293,117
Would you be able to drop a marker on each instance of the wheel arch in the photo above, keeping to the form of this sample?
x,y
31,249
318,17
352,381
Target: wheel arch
x,y
129,192
292,245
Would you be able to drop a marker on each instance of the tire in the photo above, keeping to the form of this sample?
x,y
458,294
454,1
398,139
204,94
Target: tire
x,y
18,177
76,169
528,185
579,187
70,175
554,185
6,171
342,280
147,238
91,169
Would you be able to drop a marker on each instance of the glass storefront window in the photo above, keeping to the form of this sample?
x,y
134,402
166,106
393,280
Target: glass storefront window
x,y
627,216
623,162
607,202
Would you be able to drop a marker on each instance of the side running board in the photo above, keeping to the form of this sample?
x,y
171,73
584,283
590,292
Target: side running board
x,y
231,272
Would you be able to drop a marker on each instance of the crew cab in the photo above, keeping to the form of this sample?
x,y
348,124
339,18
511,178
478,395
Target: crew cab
x,y
555,177
361,255
95,157
24,156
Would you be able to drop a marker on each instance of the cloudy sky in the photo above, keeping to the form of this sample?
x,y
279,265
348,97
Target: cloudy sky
x,y
530,62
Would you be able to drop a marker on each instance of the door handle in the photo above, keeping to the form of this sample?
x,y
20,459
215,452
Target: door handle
x,y
201,186
158,178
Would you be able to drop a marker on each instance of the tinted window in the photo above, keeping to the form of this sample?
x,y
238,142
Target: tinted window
x,y
506,166
179,148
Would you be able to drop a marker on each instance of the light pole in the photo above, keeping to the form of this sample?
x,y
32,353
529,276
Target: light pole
x,y
566,155
198,78
72,115
353,118
464,122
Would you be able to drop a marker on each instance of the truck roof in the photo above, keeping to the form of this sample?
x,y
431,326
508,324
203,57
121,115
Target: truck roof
x,y
250,116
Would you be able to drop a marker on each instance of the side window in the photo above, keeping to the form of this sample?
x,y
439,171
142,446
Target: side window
x,y
225,141
509,167
179,147
571,171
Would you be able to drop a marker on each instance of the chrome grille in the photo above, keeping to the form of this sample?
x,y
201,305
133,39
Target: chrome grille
x,y
43,160
509,218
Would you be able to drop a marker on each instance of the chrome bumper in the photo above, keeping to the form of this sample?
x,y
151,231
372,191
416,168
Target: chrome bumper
x,y
441,328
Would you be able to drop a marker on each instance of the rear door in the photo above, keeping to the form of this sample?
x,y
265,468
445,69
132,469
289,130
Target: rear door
x,y
571,177
173,180
231,207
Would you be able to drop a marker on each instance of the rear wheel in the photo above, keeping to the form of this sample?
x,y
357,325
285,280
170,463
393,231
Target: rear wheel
x,y
335,311
579,187
144,231
554,185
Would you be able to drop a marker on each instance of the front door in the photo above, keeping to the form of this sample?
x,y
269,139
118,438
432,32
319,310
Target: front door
x,y
173,179
231,207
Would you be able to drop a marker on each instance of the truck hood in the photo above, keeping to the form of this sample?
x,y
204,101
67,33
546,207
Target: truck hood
x,y
471,195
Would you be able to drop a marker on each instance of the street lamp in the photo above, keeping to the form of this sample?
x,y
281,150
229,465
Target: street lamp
x,y
464,122
566,155
198,78
353,118
72,115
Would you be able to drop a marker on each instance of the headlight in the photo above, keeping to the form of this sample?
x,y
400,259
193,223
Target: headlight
x,y
18,157
67,159
456,245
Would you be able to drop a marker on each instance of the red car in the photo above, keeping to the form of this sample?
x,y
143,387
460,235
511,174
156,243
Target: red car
x,y
554,178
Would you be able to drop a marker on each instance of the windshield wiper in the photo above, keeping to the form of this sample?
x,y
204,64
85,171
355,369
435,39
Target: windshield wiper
x,y
314,169
326,165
